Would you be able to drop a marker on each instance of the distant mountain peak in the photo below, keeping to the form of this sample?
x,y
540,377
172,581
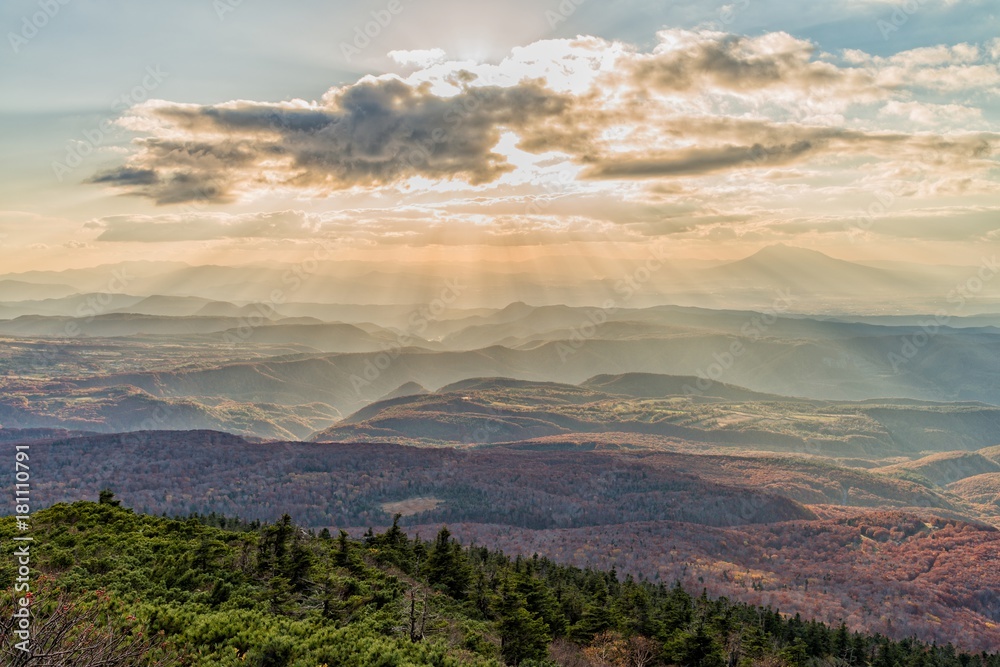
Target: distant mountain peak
x,y
406,389
805,261
784,252
517,306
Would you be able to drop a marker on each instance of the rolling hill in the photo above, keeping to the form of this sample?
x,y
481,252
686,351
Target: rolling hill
x,y
484,411
207,591
728,525
124,408
783,267
981,490
19,290
946,467
949,368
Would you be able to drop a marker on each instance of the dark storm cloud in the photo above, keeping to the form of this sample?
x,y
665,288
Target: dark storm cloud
x,y
125,176
700,103
700,161
373,133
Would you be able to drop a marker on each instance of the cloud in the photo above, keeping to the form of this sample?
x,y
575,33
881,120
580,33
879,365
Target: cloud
x,y
943,224
126,176
699,161
699,105
925,113
513,220
418,57
940,224
376,132
698,61
942,68
205,227
718,149
895,3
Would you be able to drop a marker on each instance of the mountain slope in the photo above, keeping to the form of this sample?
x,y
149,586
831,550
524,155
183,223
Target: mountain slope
x,y
651,385
124,408
949,368
946,467
782,267
323,337
649,515
191,593
19,290
482,411
981,489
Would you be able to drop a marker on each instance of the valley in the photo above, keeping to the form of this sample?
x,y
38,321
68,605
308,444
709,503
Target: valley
x,y
508,334
772,456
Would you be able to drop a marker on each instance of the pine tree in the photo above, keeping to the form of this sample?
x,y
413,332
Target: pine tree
x,y
523,636
107,497
446,566
596,617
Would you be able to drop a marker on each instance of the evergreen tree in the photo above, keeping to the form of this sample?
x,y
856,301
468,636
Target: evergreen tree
x,y
107,497
446,565
523,635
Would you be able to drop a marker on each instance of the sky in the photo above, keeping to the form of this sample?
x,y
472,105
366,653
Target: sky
x,y
241,131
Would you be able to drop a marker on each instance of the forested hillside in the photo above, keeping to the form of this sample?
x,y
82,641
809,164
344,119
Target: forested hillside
x,y
763,529
130,590
484,411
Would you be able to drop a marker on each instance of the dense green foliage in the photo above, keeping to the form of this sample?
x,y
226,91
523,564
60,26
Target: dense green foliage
x,y
273,595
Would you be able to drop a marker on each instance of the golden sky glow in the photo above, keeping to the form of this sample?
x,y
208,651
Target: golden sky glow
x,y
712,142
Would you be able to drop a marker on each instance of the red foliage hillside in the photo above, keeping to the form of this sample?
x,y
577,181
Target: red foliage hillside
x,y
888,572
